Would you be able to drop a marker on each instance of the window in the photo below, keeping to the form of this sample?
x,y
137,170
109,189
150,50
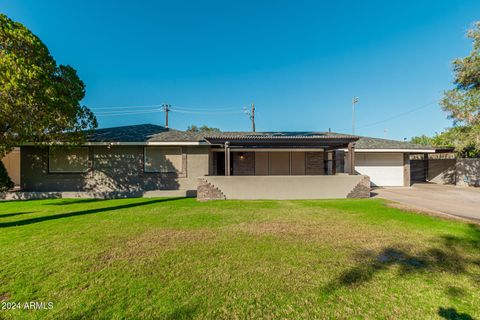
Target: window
x,y
68,160
164,160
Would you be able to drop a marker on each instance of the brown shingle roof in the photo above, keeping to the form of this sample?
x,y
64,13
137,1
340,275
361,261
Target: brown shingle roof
x,y
156,133
142,133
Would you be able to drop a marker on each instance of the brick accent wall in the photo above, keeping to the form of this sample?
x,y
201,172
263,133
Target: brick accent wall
x,y
207,191
243,166
361,190
314,163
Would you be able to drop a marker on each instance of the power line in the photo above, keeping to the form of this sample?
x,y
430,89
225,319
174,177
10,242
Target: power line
x,y
104,114
192,110
205,112
206,108
395,116
400,114
127,107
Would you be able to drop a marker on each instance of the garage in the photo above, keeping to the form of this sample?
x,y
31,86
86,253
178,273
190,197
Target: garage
x,y
384,169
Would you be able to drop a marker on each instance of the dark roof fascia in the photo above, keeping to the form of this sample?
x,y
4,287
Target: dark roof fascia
x,y
282,141
444,149
279,137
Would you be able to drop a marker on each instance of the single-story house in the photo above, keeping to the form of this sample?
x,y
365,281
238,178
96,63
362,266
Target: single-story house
x,y
151,160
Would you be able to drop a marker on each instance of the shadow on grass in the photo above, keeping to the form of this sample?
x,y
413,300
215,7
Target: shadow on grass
x,y
182,312
7,215
448,257
83,212
72,201
452,314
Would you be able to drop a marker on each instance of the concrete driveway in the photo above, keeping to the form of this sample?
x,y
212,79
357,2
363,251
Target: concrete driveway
x,y
457,201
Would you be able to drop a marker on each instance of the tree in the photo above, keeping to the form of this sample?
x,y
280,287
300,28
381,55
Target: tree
x,y
462,103
203,129
5,182
39,100
422,140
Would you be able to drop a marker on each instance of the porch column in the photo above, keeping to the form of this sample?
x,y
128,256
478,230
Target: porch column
x,y
325,162
351,157
227,158
334,162
425,166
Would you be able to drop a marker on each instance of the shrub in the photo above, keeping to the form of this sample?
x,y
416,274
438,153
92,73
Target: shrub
x,y
5,182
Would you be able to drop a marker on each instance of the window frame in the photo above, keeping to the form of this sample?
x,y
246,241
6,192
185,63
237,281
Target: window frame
x,y
177,172
88,164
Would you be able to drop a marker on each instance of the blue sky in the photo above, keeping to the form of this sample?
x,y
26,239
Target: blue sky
x,y
300,62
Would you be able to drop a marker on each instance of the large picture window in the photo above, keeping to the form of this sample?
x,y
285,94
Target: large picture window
x,y
68,160
163,159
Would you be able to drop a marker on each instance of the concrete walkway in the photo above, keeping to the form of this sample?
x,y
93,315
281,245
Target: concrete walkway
x,y
462,202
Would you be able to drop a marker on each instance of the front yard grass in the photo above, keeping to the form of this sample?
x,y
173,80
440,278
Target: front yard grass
x,y
178,258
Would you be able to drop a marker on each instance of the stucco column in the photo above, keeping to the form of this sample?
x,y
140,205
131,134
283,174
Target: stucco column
x,y
351,157
227,158
406,170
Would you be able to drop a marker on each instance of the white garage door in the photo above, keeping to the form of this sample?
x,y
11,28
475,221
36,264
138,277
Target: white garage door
x,y
384,169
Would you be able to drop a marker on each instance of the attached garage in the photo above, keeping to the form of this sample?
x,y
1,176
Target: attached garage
x,y
384,169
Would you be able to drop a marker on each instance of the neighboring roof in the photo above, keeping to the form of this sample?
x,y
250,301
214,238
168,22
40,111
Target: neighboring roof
x,y
156,133
377,143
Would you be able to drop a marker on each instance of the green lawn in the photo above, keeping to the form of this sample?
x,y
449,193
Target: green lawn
x,y
178,258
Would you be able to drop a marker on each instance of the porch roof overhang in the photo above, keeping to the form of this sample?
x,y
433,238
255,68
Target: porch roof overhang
x,y
326,142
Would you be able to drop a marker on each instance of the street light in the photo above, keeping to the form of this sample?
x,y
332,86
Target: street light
x,y
355,100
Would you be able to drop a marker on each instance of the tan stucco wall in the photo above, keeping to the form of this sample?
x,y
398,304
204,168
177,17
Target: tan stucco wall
x,y
12,164
119,168
285,187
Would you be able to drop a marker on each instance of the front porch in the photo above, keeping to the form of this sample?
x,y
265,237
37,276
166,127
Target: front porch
x,y
278,162
281,156
269,166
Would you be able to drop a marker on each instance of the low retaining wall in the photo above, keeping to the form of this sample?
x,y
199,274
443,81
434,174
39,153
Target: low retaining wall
x,y
19,195
283,187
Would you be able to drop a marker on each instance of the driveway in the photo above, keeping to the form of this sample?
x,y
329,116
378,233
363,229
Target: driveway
x,y
457,201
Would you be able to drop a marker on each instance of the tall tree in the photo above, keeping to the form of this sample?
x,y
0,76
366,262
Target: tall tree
x,y
462,103
423,140
39,100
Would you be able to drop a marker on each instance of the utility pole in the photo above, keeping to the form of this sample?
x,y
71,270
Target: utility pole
x,y
166,108
253,117
354,101
251,114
